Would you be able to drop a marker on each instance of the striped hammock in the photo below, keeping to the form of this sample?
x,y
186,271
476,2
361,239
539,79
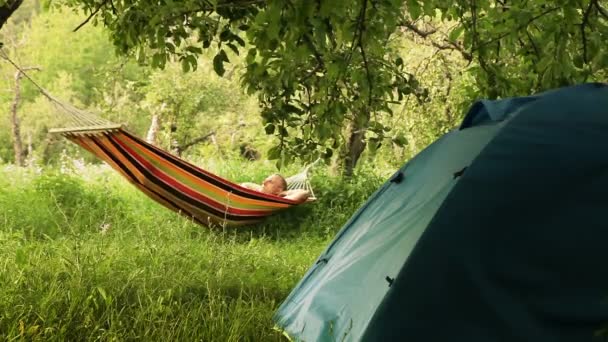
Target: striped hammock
x,y
171,181
175,183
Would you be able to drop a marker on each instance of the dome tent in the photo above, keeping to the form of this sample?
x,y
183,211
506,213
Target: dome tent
x,y
495,232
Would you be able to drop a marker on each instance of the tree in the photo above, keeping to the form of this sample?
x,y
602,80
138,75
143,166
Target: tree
x,y
316,66
20,153
70,69
186,107
319,67
516,47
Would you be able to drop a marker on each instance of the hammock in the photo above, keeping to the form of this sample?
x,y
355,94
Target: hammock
x,y
178,184
171,181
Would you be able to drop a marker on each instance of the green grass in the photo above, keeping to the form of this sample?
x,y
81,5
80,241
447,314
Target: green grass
x,y
84,256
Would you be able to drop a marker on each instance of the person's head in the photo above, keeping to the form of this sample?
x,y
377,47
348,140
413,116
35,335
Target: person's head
x,y
274,184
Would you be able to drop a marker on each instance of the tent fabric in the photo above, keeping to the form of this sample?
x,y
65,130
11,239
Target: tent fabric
x,y
510,249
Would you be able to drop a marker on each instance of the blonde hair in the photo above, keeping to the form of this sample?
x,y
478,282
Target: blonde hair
x,y
282,180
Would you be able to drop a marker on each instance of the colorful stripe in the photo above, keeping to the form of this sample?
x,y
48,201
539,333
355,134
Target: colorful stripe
x,y
177,184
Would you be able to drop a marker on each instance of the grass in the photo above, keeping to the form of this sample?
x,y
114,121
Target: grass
x,y
84,256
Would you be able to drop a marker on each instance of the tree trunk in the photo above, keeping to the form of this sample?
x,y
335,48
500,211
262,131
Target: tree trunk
x,y
355,145
152,136
16,124
47,148
30,150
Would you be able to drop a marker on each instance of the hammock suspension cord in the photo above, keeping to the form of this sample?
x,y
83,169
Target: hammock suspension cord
x,y
77,119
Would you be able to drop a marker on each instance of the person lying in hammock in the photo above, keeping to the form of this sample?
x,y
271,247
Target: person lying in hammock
x,y
276,185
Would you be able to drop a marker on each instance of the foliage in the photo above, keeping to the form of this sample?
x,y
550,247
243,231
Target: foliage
x,y
81,69
520,47
315,67
85,56
417,123
70,68
196,104
319,65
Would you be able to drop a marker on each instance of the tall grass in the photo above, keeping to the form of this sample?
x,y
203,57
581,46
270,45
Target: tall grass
x,y
84,256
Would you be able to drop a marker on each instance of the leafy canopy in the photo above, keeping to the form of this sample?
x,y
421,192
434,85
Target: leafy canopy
x,y
318,65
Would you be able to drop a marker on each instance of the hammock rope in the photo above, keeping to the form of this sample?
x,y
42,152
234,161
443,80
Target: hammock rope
x,y
167,179
301,180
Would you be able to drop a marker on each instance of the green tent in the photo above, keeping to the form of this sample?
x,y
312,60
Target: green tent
x,y
498,231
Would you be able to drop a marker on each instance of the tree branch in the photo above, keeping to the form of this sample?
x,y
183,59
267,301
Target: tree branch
x,y
193,142
600,9
21,71
533,44
417,30
495,39
447,44
450,45
363,55
583,35
103,3
113,8
209,8
312,47
241,3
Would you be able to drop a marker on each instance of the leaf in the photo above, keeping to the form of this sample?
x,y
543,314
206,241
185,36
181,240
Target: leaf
x,y
233,48
333,70
399,61
273,44
414,9
269,129
429,7
286,158
185,65
400,140
251,55
171,47
274,152
274,17
456,33
239,40
218,62
141,56
103,294
192,61
225,35
283,131
194,49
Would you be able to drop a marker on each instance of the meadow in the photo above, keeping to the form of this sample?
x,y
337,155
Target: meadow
x,y
84,256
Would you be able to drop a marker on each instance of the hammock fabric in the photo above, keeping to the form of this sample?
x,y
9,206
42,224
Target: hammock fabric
x,y
175,183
